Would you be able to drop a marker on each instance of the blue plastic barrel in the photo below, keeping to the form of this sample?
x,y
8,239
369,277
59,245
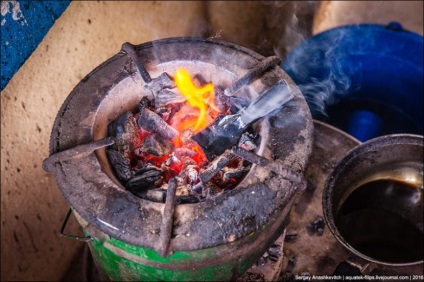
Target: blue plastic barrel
x,y
364,79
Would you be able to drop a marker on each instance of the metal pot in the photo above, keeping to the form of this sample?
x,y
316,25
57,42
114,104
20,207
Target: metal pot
x,y
373,205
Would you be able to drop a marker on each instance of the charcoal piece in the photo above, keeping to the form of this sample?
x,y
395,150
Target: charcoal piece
x,y
147,167
172,159
215,166
186,199
187,161
317,226
154,195
144,103
166,97
184,152
249,156
186,137
160,83
197,189
125,129
156,145
234,173
213,190
120,165
144,181
153,122
117,127
247,141
164,112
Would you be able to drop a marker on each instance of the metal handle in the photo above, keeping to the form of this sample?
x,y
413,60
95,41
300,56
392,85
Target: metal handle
x,y
72,237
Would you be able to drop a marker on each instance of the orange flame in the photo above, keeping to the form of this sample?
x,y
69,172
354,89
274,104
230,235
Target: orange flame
x,y
202,98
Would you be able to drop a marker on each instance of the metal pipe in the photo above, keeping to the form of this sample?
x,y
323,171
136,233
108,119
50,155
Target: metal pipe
x,y
167,218
252,74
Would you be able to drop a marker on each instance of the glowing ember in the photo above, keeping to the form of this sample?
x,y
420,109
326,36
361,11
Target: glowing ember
x,y
155,145
201,98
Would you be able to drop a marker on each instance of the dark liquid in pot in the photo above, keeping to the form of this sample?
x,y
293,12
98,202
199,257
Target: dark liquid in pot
x,y
383,219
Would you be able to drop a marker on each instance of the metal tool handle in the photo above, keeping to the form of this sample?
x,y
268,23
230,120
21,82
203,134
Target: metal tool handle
x,y
72,237
267,102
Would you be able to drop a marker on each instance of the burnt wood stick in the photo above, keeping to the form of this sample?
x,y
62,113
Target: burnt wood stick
x,y
167,218
79,151
252,74
153,122
215,166
250,156
129,49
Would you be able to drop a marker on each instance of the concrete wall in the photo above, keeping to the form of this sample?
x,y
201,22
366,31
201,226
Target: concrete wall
x,y
338,13
88,33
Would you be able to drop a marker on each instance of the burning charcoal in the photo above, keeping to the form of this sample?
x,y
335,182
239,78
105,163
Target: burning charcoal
x,y
250,156
172,159
147,167
186,136
120,164
184,152
290,236
143,181
152,122
126,132
156,145
215,166
166,97
234,173
247,141
317,226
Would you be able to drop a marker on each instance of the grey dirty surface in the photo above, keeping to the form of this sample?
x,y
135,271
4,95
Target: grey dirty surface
x,y
311,252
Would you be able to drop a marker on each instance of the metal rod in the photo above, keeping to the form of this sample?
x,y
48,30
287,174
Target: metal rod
x,y
129,48
252,74
79,151
167,218
71,237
